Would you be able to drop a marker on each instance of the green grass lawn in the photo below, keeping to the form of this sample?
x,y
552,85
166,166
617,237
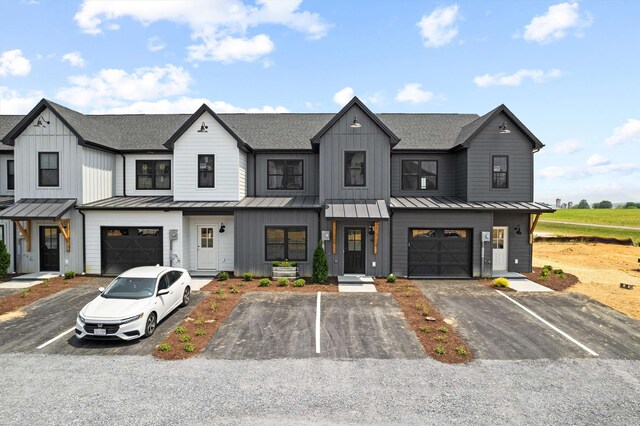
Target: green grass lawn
x,y
621,217
587,231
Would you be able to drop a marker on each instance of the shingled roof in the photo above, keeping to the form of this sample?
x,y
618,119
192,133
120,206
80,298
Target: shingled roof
x,y
8,122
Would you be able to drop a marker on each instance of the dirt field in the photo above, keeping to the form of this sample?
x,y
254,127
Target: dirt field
x,y
600,267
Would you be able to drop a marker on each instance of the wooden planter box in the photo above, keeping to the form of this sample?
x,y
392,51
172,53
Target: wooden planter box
x,y
290,272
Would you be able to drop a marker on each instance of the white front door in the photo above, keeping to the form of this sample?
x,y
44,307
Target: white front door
x,y
500,243
206,247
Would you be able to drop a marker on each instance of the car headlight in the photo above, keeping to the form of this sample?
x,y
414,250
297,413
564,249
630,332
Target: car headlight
x,y
81,318
132,319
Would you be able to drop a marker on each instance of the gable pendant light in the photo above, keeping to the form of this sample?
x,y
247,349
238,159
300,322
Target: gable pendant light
x,y
40,122
203,128
355,124
504,129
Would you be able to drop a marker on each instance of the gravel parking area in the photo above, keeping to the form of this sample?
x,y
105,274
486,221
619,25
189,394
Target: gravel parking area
x,y
108,390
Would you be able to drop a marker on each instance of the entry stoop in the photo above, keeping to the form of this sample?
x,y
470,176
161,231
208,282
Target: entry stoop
x,y
356,284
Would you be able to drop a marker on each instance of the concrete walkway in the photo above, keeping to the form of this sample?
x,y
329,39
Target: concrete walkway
x,y
527,285
356,284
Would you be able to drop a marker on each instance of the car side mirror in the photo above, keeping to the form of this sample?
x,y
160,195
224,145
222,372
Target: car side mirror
x,y
163,292
101,289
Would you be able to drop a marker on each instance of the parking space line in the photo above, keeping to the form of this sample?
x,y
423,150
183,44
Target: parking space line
x,y
318,324
56,338
547,323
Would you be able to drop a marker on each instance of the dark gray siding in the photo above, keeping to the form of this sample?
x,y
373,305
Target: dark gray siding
x,y
461,174
382,266
310,174
341,138
403,220
249,237
518,245
489,142
446,175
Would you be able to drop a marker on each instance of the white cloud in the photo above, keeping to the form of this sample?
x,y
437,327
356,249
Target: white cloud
x,y
342,97
185,105
414,94
219,27
13,63
155,44
556,23
438,28
376,98
515,79
629,131
597,160
14,102
567,147
595,165
74,58
113,87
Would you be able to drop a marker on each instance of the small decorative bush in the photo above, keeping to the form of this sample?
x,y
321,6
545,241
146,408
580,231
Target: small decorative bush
x,y
443,329
320,266
409,292
299,283
200,332
213,306
233,290
199,320
25,293
5,259
264,282
424,329
180,330
164,347
559,273
248,276
501,282
547,268
391,278
461,350
69,275
189,347
185,338
284,264
439,350
282,282
223,276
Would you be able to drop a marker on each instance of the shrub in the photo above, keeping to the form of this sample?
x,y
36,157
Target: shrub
x,y
284,263
69,275
299,283
501,282
282,282
418,305
233,290
199,320
265,282
391,278
559,273
424,329
409,292
213,306
180,330
441,339
439,350
222,296
200,332
223,276
248,276
189,347
25,293
461,350
320,265
185,338
45,283
425,311
548,268
164,347
5,259
443,329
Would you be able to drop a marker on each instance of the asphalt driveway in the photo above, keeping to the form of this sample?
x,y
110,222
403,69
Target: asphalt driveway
x,y
534,325
286,325
55,316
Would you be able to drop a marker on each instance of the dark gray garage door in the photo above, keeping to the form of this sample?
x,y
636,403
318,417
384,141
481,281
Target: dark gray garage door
x,y
436,252
124,248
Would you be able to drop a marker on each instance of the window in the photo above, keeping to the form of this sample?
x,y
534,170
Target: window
x,y
2,232
498,238
206,166
10,175
284,174
419,175
355,168
48,169
500,172
153,174
286,242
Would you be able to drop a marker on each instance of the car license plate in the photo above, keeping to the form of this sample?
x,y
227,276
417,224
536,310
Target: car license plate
x,y
100,332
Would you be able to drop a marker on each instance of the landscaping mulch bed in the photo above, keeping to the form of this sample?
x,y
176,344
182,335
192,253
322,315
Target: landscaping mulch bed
x,y
489,283
431,334
553,281
211,312
29,295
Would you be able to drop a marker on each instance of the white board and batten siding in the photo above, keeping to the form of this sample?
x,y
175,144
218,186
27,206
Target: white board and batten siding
x,y
130,170
4,157
98,168
167,220
229,167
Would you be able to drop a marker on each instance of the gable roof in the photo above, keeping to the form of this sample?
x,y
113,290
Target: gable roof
x,y
367,111
8,122
469,131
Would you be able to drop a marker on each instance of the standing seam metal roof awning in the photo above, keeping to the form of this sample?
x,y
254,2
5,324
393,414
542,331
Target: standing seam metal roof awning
x,y
38,208
364,209
452,203
168,203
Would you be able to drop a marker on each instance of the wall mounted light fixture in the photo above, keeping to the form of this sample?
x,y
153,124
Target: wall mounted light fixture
x,y
371,231
40,122
355,124
203,128
222,228
503,128
518,230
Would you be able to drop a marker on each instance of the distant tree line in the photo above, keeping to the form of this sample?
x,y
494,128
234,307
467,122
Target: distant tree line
x,y
605,204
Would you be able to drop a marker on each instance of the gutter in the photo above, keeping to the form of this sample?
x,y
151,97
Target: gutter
x,y
124,174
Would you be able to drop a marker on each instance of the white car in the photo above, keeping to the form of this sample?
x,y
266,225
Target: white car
x,y
134,303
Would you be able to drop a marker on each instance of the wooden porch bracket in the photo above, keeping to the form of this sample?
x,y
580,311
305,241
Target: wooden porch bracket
x,y
376,226
25,231
63,225
334,237
532,225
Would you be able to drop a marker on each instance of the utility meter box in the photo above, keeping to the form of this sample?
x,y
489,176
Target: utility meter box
x,y
173,234
486,237
326,235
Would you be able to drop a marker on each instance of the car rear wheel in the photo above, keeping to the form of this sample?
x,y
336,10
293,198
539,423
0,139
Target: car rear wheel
x,y
186,297
150,327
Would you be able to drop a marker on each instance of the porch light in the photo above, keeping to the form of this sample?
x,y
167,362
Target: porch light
x,y
222,228
518,230
203,129
355,124
503,128
40,122
371,230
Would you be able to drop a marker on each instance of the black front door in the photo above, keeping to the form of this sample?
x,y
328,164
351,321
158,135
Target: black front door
x,y
354,242
49,248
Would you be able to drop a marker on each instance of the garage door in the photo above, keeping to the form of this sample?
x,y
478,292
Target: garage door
x,y
124,248
436,252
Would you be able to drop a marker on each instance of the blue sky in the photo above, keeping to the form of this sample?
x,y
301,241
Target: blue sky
x,y
569,70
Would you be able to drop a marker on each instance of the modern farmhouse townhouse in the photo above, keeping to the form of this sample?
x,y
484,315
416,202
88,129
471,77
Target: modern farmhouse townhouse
x,y
420,195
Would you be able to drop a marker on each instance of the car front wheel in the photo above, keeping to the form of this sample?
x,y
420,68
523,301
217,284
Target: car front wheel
x,y
186,297
150,327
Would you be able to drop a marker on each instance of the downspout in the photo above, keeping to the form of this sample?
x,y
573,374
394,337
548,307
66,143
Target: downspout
x,y
391,243
124,175
15,249
84,243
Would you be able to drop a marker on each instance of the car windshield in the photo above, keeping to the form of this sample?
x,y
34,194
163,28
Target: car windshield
x,y
130,288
